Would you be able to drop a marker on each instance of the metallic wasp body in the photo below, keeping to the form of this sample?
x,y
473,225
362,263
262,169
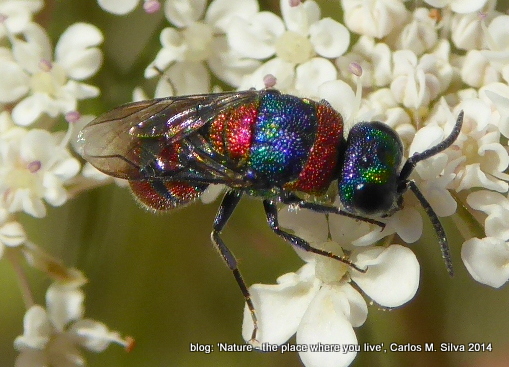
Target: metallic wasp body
x,y
262,143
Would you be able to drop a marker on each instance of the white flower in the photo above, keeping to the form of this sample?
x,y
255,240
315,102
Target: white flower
x,y
118,7
301,42
48,86
498,42
319,304
477,71
374,18
496,95
12,233
496,207
458,6
480,158
487,260
185,50
51,336
416,82
466,31
34,165
420,35
16,15
375,60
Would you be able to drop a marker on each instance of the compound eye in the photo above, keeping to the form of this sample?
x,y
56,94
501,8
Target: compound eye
x,y
372,198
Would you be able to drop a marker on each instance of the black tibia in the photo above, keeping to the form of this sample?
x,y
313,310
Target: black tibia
x,y
271,213
230,201
290,198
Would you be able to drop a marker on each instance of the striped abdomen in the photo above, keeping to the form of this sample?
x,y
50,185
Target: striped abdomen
x,y
284,141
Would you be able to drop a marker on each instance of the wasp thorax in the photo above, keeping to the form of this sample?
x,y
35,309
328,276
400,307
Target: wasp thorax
x,y
368,180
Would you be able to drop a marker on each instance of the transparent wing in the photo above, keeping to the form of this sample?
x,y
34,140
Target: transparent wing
x,y
123,141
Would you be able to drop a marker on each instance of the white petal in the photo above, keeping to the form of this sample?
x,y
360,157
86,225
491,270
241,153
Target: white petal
x,y
221,12
18,14
255,37
55,195
37,47
75,42
497,208
93,335
373,18
280,307
309,225
477,70
138,95
80,91
392,278
14,83
299,18
466,31
351,304
26,201
189,78
340,95
498,94
498,31
228,65
324,323
12,234
183,13
282,70
118,7
163,89
65,304
487,260
84,64
312,74
38,145
37,329
344,230
425,138
29,109
467,6
407,223
330,38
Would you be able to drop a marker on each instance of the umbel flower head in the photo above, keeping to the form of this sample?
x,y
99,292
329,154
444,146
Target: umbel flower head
x,y
412,67
40,84
52,336
319,304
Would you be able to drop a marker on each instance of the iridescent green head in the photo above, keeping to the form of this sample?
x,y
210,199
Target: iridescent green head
x,y
369,178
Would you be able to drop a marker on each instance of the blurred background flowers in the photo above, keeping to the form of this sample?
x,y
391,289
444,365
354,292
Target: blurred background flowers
x,y
83,266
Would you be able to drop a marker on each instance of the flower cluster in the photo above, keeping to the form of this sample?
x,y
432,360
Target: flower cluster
x,y
414,68
40,89
410,77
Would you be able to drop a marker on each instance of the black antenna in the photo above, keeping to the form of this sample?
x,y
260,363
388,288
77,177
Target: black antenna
x,y
405,184
409,165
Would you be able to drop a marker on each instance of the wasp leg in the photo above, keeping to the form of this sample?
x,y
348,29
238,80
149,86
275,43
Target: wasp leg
x,y
230,201
294,199
271,213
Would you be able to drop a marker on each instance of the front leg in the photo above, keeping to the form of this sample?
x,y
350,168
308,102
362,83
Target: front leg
x,y
292,199
271,213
